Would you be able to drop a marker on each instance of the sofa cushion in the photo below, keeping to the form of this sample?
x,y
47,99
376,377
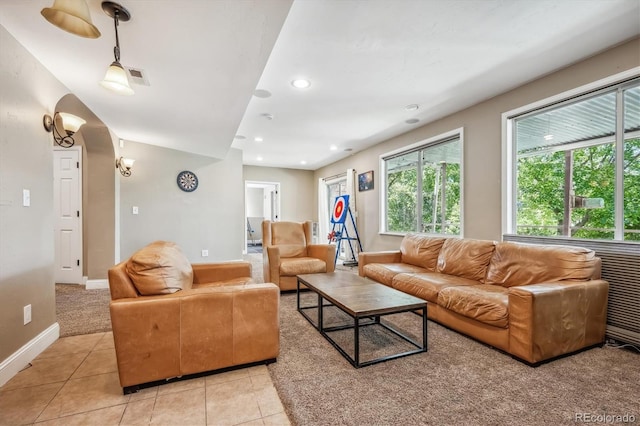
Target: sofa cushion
x,y
160,268
465,258
293,266
420,250
485,303
515,264
384,272
427,285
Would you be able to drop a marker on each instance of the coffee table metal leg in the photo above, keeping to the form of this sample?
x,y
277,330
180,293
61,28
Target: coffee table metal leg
x,y
424,328
320,313
356,341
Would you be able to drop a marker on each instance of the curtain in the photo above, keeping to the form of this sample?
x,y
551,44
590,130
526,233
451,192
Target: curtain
x,y
323,212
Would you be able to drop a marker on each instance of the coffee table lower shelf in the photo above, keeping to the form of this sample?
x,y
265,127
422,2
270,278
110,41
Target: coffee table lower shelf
x,y
360,321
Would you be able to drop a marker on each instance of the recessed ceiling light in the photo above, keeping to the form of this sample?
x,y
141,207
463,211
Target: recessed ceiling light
x,y
259,158
348,149
260,93
258,139
239,137
548,137
303,162
267,115
301,83
412,107
333,148
412,121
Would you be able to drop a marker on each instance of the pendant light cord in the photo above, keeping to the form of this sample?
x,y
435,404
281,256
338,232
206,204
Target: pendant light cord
x,y
116,50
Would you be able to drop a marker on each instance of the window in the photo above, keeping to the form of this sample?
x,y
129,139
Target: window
x,y
577,167
422,187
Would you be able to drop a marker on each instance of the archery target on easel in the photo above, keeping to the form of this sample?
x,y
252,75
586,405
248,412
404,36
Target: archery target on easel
x,y
340,208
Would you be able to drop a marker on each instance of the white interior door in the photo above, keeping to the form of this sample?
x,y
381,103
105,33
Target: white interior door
x,y
67,195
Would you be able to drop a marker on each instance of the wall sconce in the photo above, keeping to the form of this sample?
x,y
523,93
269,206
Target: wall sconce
x,y
72,16
116,77
68,122
124,165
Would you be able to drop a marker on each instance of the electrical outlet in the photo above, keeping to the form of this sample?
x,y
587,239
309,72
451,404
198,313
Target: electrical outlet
x,y
205,253
27,314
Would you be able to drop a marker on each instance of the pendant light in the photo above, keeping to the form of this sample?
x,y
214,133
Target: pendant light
x,y
72,16
116,77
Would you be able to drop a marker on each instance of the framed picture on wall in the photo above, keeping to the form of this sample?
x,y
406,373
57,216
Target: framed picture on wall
x,y
365,181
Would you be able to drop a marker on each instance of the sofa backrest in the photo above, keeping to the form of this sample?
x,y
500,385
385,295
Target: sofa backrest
x,y
421,250
467,258
515,264
292,238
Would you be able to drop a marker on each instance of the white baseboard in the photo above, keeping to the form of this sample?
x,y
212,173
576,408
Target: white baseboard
x,y
23,356
97,284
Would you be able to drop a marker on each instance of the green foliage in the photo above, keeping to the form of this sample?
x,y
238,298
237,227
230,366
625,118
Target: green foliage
x,y
540,209
402,190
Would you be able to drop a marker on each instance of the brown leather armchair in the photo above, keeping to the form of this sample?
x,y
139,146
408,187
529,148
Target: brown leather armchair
x,y
287,252
172,319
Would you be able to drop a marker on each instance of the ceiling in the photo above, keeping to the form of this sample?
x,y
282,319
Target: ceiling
x,y
210,65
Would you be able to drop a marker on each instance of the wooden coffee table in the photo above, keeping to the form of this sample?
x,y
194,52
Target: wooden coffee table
x,y
361,299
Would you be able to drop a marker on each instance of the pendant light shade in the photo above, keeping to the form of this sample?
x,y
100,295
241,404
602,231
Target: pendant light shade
x,y
116,79
72,16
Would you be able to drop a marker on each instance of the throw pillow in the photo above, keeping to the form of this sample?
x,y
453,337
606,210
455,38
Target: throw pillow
x,y
160,268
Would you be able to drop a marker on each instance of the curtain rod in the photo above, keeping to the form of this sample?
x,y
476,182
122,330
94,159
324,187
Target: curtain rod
x,y
343,174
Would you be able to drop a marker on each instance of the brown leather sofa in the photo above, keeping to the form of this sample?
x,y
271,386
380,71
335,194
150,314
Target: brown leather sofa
x,y
287,252
535,302
172,319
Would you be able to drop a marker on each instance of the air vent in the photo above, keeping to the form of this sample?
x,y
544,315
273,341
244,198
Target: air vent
x,y
138,76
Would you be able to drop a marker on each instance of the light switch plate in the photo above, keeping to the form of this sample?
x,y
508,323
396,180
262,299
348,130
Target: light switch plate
x,y
134,210
26,197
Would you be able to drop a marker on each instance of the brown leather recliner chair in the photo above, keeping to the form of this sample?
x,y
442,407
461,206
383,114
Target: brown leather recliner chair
x,y
287,252
172,319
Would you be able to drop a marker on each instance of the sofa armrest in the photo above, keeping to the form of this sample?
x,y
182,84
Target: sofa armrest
x,y
225,326
204,273
146,333
326,252
555,318
271,264
392,256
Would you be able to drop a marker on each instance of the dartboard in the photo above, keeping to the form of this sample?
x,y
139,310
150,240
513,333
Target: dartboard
x,y
187,181
340,209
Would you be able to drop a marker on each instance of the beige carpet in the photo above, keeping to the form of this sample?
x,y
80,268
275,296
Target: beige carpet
x,y
458,381
81,311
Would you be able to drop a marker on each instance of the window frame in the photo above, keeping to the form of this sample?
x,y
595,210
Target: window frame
x,y
422,144
509,151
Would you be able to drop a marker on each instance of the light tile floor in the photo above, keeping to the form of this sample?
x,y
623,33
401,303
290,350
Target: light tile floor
x,y
75,382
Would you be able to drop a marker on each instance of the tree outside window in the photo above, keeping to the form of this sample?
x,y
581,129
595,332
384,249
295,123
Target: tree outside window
x,y
423,188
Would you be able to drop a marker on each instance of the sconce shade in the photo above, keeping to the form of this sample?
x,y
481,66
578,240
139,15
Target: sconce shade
x,y
72,16
116,79
124,165
71,123
62,121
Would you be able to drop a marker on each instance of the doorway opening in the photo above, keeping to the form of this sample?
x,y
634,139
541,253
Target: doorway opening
x,y
262,202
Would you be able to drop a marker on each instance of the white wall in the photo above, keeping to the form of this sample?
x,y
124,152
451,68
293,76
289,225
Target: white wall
x,y
27,92
255,202
211,217
296,190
